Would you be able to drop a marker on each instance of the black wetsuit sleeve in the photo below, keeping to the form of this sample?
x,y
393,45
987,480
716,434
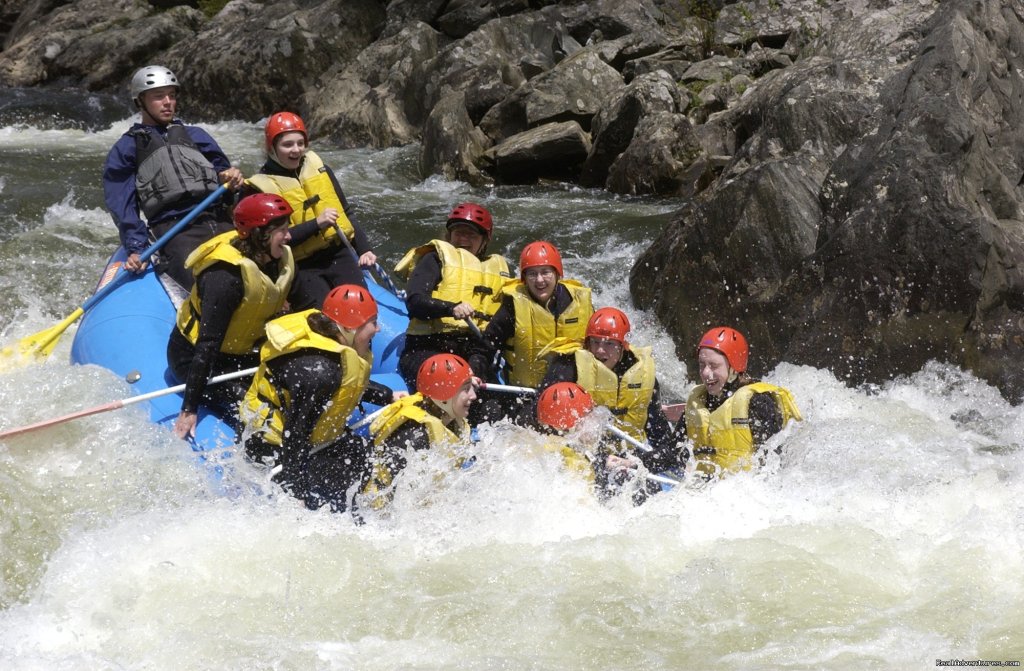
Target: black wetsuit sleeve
x,y
679,432
378,394
310,378
302,232
422,281
499,329
667,452
502,325
221,291
765,417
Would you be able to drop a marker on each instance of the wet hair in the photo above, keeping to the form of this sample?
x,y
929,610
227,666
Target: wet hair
x,y
258,242
323,325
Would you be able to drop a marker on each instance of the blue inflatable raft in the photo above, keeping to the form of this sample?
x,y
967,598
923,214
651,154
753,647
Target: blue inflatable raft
x,y
126,332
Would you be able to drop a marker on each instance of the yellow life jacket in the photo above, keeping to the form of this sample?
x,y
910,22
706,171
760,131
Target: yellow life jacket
x,y
264,404
573,460
722,439
406,409
262,299
627,397
464,278
309,194
537,328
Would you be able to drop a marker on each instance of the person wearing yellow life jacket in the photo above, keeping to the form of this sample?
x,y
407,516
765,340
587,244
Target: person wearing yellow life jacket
x,y
538,308
241,281
447,282
330,247
621,378
560,407
314,369
432,418
730,415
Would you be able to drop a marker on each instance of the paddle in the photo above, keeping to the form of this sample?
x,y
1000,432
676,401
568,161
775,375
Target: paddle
x,y
510,389
507,388
367,420
388,283
106,407
616,431
475,329
674,411
382,275
40,345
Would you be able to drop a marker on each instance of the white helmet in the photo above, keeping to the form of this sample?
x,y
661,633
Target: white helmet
x,y
151,77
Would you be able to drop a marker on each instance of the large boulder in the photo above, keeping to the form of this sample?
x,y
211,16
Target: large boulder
x,y
52,41
664,156
617,119
550,151
254,58
573,90
377,100
461,17
871,216
452,145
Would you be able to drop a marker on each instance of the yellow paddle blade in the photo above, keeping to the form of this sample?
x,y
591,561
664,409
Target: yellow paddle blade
x,y
36,346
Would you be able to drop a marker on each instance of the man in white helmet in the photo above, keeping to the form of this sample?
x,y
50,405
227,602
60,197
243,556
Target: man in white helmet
x,y
161,169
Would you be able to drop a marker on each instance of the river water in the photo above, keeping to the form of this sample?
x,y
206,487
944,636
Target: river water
x,y
888,535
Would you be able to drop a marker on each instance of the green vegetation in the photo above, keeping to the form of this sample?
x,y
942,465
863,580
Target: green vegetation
x,y
700,16
211,7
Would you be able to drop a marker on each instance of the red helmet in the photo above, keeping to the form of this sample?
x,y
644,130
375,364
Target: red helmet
x,y
473,214
563,404
283,122
441,376
258,210
609,323
540,254
350,306
730,343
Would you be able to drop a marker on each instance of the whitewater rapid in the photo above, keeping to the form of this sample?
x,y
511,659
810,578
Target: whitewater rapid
x,y
887,534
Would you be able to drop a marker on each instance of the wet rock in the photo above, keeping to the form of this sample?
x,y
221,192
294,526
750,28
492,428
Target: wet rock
x,y
551,151
869,218
74,42
254,58
452,145
664,156
377,100
572,90
615,123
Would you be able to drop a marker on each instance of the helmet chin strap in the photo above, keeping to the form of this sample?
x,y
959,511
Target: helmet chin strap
x,y
732,376
346,337
447,407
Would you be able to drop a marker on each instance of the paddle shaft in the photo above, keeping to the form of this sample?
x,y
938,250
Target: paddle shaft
x,y
474,328
389,284
121,277
114,405
366,420
507,388
42,343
